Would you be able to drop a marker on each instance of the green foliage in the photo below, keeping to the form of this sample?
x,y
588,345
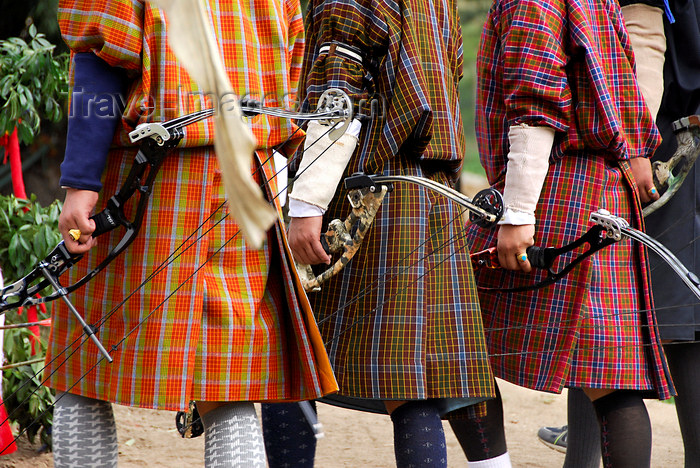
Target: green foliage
x,y
33,81
472,15
25,238
28,403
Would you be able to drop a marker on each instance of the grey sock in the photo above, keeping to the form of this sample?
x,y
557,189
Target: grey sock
x,y
233,437
583,439
84,433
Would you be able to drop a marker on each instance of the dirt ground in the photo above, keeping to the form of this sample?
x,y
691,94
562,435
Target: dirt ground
x,y
353,439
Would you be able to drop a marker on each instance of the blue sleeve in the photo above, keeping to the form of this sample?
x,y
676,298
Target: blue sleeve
x,y
96,108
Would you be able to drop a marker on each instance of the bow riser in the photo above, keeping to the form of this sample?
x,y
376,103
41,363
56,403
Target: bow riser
x,y
345,235
670,174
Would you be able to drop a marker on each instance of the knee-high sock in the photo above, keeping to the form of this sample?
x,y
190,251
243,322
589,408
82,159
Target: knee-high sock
x,y
583,439
625,430
684,362
289,440
84,433
482,438
233,437
419,440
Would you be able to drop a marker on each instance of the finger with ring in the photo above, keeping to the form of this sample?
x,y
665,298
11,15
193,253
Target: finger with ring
x,y
652,191
75,234
522,257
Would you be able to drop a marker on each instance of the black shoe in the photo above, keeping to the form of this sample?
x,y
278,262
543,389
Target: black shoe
x,y
554,437
188,423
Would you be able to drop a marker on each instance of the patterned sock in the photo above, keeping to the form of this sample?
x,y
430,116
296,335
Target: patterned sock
x,y
289,440
419,440
482,438
233,437
625,430
583,439
684,362
84,433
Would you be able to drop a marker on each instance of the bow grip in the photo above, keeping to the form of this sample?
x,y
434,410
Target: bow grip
x,y
105,221
540,257
324,244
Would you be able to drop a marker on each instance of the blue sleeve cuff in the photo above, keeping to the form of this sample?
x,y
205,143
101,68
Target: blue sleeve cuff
x,y
97,103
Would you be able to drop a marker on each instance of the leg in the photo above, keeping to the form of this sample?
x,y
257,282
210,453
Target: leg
x,y
289,440
625,429
232,435
583,439
419,440
684,362
483,439
84,433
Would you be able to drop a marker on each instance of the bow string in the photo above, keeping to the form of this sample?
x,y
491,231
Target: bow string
x,y
155,140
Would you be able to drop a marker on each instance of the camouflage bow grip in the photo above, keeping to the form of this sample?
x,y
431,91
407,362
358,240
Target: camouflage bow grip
x,y
671,174
346,235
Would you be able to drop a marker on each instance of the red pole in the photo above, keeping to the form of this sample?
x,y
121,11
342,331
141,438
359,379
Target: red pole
x,y
12,150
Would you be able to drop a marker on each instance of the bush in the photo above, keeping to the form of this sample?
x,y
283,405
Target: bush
x,y
28,233
33,81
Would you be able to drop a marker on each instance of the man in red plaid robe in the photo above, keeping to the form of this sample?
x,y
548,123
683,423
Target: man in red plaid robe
x,y
563,131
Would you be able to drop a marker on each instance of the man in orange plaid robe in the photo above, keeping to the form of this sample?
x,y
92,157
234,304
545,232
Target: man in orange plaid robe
x,y
224,323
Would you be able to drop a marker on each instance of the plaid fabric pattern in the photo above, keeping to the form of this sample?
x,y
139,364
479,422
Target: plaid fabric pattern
x,y
412,63
234,329
594,328
257,40
587,89
401,321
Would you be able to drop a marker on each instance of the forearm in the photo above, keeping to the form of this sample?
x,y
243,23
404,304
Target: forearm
x,y
95,113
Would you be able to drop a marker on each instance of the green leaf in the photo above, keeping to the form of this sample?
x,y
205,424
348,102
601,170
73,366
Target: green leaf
x,y
39,244
23,242
32,30
6,84
49,236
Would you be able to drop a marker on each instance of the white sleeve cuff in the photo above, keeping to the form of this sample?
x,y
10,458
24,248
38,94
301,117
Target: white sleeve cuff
x,y
301,209
517,218
323,163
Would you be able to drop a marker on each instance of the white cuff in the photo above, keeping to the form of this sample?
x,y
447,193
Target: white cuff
x,y
301,209
528,163
323,163
516,218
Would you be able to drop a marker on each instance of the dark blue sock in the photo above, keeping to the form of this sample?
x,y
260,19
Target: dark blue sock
x,y
289,439
419,440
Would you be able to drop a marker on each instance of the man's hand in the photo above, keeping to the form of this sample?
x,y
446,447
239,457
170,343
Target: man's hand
x,y
305,240
512,243
77,209
641,170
